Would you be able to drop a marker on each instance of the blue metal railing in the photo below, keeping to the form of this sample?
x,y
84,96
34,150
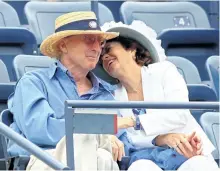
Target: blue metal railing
x,y
70,105
138,104
32,148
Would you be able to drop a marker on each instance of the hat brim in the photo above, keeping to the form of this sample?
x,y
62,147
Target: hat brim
x,y
49,45
139,37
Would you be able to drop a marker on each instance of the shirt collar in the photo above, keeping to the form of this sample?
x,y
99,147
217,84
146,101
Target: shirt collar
x,y
96,82
53,69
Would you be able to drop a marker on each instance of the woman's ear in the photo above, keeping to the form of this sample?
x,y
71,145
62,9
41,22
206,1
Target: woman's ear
x,y
133,50
133,53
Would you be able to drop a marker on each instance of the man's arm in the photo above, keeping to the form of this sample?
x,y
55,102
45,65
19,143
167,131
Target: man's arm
x,y
33,114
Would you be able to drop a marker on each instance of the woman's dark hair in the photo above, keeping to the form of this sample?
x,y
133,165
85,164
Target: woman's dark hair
x,y
143,57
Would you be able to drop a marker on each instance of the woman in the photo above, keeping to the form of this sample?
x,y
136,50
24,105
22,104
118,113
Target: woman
x,y
173,132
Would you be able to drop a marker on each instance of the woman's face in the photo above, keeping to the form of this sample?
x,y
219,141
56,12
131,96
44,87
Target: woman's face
x,y
116,59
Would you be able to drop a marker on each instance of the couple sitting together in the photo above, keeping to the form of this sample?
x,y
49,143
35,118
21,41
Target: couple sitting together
x,y
155,139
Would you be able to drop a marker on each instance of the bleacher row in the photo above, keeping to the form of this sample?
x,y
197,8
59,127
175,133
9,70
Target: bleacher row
x,y
180,34
189,42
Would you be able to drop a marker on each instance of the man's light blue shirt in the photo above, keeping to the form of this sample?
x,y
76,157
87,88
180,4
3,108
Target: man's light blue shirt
x,y
38,104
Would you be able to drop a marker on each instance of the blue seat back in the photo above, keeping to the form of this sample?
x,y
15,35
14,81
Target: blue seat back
x,y
193,44
197,90
211,125
6,117
26,63
162,15
5,90
213,69
41,15
200,92
187,69
8,16
14,41
4,77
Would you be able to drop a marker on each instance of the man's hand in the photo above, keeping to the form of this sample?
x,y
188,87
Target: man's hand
x,y
117,148
185,145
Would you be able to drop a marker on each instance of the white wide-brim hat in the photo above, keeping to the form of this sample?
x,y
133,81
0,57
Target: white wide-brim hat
x,y
141,33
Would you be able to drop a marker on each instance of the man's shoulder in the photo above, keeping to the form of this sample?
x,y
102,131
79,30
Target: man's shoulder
x,y
38,77
36,74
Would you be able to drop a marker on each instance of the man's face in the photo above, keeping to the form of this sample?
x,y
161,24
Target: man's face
x,y
82,51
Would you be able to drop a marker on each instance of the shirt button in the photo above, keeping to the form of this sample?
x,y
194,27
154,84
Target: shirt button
x,y
173,155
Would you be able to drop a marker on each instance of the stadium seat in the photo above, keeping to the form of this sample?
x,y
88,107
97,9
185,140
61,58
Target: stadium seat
x,y
25,63
200,92
193,44
41,15
181,33
16,162
211,125
14,41
8,16
175,14
4,77
187,69
5,90
212,66
197,90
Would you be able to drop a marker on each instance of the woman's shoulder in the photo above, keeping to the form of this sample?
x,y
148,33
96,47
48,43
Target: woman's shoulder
x,y
160,66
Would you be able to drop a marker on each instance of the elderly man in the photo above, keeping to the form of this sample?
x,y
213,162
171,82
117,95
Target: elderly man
x,y
38,102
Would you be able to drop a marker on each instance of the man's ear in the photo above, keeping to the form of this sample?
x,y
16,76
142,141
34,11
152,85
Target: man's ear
x,y
62,47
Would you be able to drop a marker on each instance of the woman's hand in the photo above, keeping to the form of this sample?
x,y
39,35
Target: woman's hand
x,y
196,143
117,148
186,145
125,122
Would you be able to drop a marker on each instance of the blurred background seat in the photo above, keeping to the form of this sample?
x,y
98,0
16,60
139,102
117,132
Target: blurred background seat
x,y
194,44
187,69
26,63
6,89
212,66
4,77
9,16
163,15
14,41
41,15
211,125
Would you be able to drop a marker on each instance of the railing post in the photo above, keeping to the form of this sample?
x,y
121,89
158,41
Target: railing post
x,y
69,128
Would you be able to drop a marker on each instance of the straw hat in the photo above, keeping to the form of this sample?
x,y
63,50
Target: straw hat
x,y
74,23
